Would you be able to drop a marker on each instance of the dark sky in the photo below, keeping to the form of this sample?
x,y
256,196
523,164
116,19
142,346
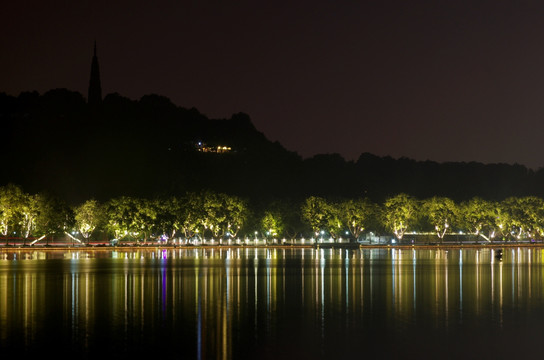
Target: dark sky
x,y
442,80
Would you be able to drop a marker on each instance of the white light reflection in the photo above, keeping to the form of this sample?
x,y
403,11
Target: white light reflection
x,y
322,262
414,262
461,283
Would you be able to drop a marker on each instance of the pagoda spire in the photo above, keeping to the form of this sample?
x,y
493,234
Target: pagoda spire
x,y
95,91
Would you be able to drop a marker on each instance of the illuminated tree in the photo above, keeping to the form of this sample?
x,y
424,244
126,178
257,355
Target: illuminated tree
x,y
11,198
32,214
191,216
167,217
54,216
355,215
316,213
119,217
334,221
222,214
441,212
288,211
88,216
30,210
236,213
272,224
213,215
522,217
476,216
399,213
500,225
534,216
144,218
179,216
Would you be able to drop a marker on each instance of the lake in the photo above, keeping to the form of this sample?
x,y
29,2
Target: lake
x,y
273,303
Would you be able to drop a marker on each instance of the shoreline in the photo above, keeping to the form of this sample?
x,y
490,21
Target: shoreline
x,y
216,247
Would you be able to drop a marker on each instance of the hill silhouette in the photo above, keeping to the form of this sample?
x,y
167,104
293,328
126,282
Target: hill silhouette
x,y
150,147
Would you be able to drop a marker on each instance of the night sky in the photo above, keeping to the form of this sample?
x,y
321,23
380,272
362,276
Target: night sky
x,y
439,80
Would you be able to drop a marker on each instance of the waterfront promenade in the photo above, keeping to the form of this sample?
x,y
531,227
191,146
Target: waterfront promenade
x,y
57,247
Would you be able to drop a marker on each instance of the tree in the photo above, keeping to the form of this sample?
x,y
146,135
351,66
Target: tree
x,y
289,213
316,213
475,216
334,222
399,214
120,214
441,212
355,215
222,214
54,216
236,213
500,224
88,216
30,210
272,224
522,216
534,208
11,198
213,215
167,217
144,217
191,216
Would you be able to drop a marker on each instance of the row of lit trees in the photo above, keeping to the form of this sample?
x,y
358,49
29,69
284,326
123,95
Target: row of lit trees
x,y
194,215
210,214
511,219
26,215
215,216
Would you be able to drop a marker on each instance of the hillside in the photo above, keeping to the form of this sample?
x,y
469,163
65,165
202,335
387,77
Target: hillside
x,y
150,147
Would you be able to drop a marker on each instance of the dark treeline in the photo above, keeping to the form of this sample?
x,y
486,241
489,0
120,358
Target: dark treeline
x,y
149,148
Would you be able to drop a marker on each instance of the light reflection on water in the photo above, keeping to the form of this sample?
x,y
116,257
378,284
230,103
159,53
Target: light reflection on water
x,y
245,302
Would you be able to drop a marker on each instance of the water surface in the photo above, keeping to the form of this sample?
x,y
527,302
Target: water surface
x,y
274,303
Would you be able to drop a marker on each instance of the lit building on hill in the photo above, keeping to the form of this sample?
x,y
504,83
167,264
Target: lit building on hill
x,y
220,149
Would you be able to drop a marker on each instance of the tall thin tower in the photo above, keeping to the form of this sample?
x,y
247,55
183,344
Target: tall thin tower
x,y
95,90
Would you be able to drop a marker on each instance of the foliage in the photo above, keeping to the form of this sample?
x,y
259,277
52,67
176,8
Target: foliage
x,y
236,213
30,208
476,217
88,216
54,216
11,197
399,213
120,214
272,224
522,217
28,214
356,215
291,222
222,214
144,218
167,223
316,212
219,215
190,215
441,213
534,207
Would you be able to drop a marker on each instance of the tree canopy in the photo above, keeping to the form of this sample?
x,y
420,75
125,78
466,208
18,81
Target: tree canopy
x,y
220,216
